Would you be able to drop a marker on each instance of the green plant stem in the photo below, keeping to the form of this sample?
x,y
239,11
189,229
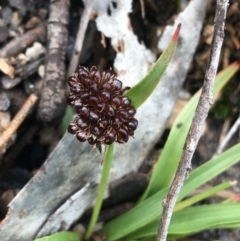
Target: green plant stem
x,y
203,195
107,162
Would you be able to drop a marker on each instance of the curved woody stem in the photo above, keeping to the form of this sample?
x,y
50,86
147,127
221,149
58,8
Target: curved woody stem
x,y
199,118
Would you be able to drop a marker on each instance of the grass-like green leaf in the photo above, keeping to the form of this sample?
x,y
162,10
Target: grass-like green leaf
x,y
142,90
151,208
61,236
203,195
179,206
195,219
173,148
210,169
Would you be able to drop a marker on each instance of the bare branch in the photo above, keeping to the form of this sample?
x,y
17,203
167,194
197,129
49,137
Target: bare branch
x,y
52,101
17,120
201,113
143,12
80,36
20,43
22,72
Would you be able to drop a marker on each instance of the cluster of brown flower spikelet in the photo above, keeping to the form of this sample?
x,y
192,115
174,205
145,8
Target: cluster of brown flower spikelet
x,y
104,115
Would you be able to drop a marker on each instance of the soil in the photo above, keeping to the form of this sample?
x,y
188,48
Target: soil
x,y
36,137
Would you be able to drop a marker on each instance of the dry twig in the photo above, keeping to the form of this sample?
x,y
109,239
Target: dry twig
x,y
28,69
142,9
17,120
201,113
52,102
22,73
22,42
230,134
80,36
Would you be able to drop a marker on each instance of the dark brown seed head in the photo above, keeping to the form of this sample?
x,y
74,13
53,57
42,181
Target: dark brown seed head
x,y
72,128
104,115
96,130
110,136
82,136
106,87
80,123
126,102
116,102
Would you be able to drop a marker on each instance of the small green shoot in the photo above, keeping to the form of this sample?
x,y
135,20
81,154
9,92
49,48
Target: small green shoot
x,y
107,162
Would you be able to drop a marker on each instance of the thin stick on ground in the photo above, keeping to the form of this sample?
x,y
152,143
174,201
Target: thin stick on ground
x,y
80,36
142,9
52,104
17,120
230,134
199,118
18,44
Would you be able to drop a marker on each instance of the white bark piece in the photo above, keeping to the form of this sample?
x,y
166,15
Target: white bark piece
x,y
133,60
70,211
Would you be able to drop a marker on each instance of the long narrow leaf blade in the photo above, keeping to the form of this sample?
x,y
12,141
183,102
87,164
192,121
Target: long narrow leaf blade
x,y
151,208
173,148
195,219
203,195
140,233
205,217
141,91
